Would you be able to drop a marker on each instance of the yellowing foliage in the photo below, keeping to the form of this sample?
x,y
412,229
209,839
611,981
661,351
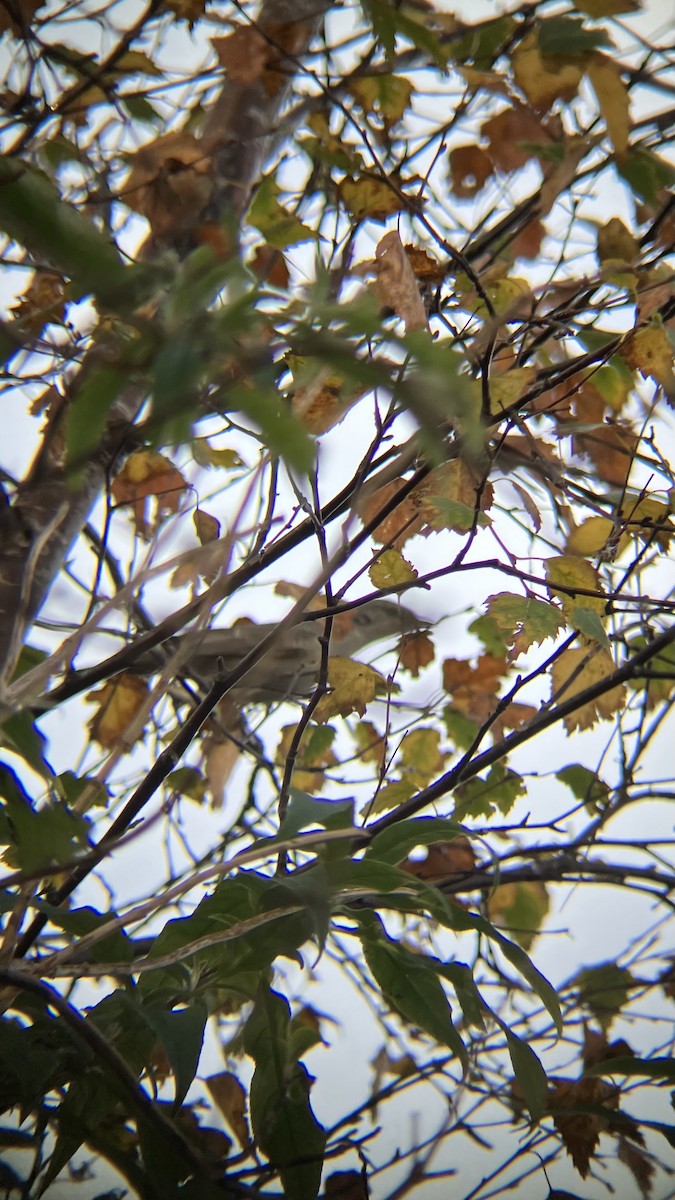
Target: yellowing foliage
x,y
575,671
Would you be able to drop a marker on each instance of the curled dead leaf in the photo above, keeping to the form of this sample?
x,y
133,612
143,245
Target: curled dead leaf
x,y
119,703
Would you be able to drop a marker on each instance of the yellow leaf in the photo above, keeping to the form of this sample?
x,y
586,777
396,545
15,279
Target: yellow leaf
x,y
507,389
313,758
369,198
574,572
612,96
597,534
147,473
391,569
387,94
649,519
421,757
353,686
520,908
649,350
577,670
544,80
616,242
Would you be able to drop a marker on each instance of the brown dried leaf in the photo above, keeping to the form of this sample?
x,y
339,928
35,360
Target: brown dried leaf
x,y
119,702
269,264
346,1185
512,717
208,528
507,131
170,182
42,302
453,496
425,268
638,1164
220,758
230,1097
18,15
396,286
245,54
470,168
527,243
580,1132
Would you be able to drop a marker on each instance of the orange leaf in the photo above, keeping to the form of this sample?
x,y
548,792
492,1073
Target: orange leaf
x,y
474,690
147,473
443,859
417,651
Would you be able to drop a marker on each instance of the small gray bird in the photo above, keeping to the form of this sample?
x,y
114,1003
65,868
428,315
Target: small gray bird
x,y
290,668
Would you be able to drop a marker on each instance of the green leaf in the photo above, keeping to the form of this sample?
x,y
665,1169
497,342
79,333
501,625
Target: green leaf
x,y
585,785
589,623
646,174
411,984
524,619
461,729
626,1064
283,433
528,1071
33,213
471,1002
604,989
87,416
116,947
20,734
569,36
283,1122
394,844
139,108
181,1033
481,43
42,837
483,796
304,811
188,781
279,227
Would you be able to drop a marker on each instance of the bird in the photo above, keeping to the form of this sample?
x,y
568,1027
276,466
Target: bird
x,y
290,667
